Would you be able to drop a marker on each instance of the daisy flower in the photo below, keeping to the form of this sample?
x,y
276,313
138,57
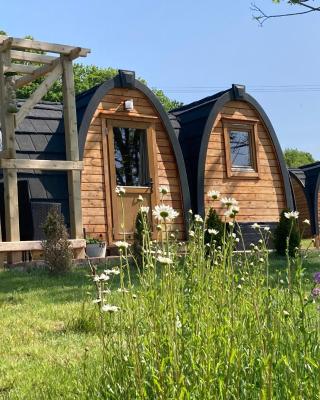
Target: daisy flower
x,y
164,212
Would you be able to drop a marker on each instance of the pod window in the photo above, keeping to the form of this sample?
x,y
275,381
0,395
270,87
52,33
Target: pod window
x,y
241,149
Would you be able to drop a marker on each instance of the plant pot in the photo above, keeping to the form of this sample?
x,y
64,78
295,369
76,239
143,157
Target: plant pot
x,y
96,250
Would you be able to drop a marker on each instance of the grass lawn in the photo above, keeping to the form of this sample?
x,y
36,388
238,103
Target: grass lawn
x,y
45,338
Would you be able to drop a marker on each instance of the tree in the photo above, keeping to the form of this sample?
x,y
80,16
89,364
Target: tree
x,y
305,6
86,77
295,158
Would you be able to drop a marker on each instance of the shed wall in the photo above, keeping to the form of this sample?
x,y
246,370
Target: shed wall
x,y
302,207
95,197
260,200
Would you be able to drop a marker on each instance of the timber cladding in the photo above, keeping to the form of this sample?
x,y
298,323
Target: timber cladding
x,y
302,206
96,187
261,196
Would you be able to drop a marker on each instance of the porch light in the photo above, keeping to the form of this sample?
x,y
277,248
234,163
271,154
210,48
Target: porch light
x,y
128,105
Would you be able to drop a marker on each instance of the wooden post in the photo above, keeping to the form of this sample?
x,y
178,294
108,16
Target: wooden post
x,y
72,149
9,176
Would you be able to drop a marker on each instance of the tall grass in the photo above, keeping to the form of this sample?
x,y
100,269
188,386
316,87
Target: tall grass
x,y
206,324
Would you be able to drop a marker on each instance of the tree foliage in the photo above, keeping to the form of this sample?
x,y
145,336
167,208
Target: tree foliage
x,y
296,158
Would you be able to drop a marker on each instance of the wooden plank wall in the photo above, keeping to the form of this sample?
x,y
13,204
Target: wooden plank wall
x,y
260,200
94,196
302,207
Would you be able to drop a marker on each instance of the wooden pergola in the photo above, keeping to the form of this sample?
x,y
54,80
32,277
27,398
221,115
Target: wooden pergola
x,y
21,62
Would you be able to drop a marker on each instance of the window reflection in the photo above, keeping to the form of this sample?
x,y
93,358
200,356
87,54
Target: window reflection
x,y
240,148
131,157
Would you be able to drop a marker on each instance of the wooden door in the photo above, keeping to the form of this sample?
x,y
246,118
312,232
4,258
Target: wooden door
x,y
131,149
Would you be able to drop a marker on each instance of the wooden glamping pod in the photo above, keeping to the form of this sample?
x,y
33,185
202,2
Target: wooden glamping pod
x,y
306,185
125,138
229,145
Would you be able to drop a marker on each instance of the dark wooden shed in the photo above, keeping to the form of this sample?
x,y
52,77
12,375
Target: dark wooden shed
x,y
306,185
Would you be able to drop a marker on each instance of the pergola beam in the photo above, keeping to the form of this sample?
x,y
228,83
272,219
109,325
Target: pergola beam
x,y
37,95
28,44
31,57
47,165
37,73
21,69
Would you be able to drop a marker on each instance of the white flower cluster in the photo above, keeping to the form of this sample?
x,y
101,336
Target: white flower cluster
x,y
232,206
122,245
292,215
214,194
164,213
120,191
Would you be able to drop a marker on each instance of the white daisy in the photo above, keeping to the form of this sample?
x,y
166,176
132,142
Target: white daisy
x,y
164,260
163,189
109,308
229,201
292,214
164,212
122,245
255,226
198,219
120,191
145,210
306,221
140,199
214,194
213,231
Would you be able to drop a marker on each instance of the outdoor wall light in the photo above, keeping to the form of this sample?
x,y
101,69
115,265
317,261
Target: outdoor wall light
x,y
128,105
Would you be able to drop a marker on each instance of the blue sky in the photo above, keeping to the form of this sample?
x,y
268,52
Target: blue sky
x,y
193,49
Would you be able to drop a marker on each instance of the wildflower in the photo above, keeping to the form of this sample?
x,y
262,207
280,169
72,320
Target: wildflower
x,y
198,219
140,199
122,290
213,231
104,277
163,190
144,210
122,245
266,228
178,322
113,271
232,211
231,224
190,212
229,201
214,194
261,260
233,235
260,241
120,191
239,287
306,221
165,213
281,281
286,313
255,226
316,277
164,260
159,228
237,240
96,301
172,235
292,215
251,244
134,296
109,308
315,292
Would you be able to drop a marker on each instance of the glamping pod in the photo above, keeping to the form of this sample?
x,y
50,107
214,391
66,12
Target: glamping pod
x,y
302,200
125,139
229,145
306,180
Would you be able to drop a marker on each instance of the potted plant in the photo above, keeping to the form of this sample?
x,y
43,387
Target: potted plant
x,y
95,247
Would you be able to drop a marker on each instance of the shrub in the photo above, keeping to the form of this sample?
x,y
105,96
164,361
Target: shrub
x,y
213,221
57,251
282,232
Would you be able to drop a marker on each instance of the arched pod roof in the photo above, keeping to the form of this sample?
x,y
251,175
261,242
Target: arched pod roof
x,y
194,123
87,104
